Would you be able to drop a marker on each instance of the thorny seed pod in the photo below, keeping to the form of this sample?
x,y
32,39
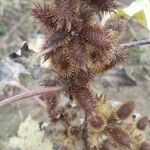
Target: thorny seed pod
x,y
116,24
86,15
142,123
44,14
62,64
103,107
96,122
54,43
98,58
120,135
65,13
82,77
85,99
119,57
77,52
125,110
97,36
145,146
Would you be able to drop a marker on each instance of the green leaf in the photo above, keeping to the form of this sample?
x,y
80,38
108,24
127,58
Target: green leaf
x,y
30,137
140,11
141,18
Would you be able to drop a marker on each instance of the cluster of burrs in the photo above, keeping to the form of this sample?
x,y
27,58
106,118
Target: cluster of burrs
x,y
80,47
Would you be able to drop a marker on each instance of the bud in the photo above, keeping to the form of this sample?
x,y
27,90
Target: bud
x,y
120,136
96,122
125,110
85,99
142,123
116,25
62,63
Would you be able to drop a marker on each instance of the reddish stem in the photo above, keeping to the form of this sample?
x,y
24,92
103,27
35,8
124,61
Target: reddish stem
x,y
50,90
134,44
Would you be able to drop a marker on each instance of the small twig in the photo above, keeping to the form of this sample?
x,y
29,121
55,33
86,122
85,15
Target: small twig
x,y
22,96
45,52
134,44
40,102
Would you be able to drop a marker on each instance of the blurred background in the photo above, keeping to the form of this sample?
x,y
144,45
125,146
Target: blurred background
x,y
21,70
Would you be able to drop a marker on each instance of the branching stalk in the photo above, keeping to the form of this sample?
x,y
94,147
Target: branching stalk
x,y
50,90
134,44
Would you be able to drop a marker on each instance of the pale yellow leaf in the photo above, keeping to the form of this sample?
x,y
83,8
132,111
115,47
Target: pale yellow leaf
x,y
30,137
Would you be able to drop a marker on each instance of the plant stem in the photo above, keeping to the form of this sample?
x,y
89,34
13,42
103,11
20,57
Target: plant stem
x,y
50,90
134,44
40,102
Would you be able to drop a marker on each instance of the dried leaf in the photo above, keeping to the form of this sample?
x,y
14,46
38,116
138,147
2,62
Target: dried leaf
x,y
30,137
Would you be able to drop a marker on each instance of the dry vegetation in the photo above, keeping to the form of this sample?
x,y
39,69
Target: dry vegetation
x,y
128,82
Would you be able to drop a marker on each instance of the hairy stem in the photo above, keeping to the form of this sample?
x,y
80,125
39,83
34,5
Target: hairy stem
x,y
40,102
134,44
50,90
